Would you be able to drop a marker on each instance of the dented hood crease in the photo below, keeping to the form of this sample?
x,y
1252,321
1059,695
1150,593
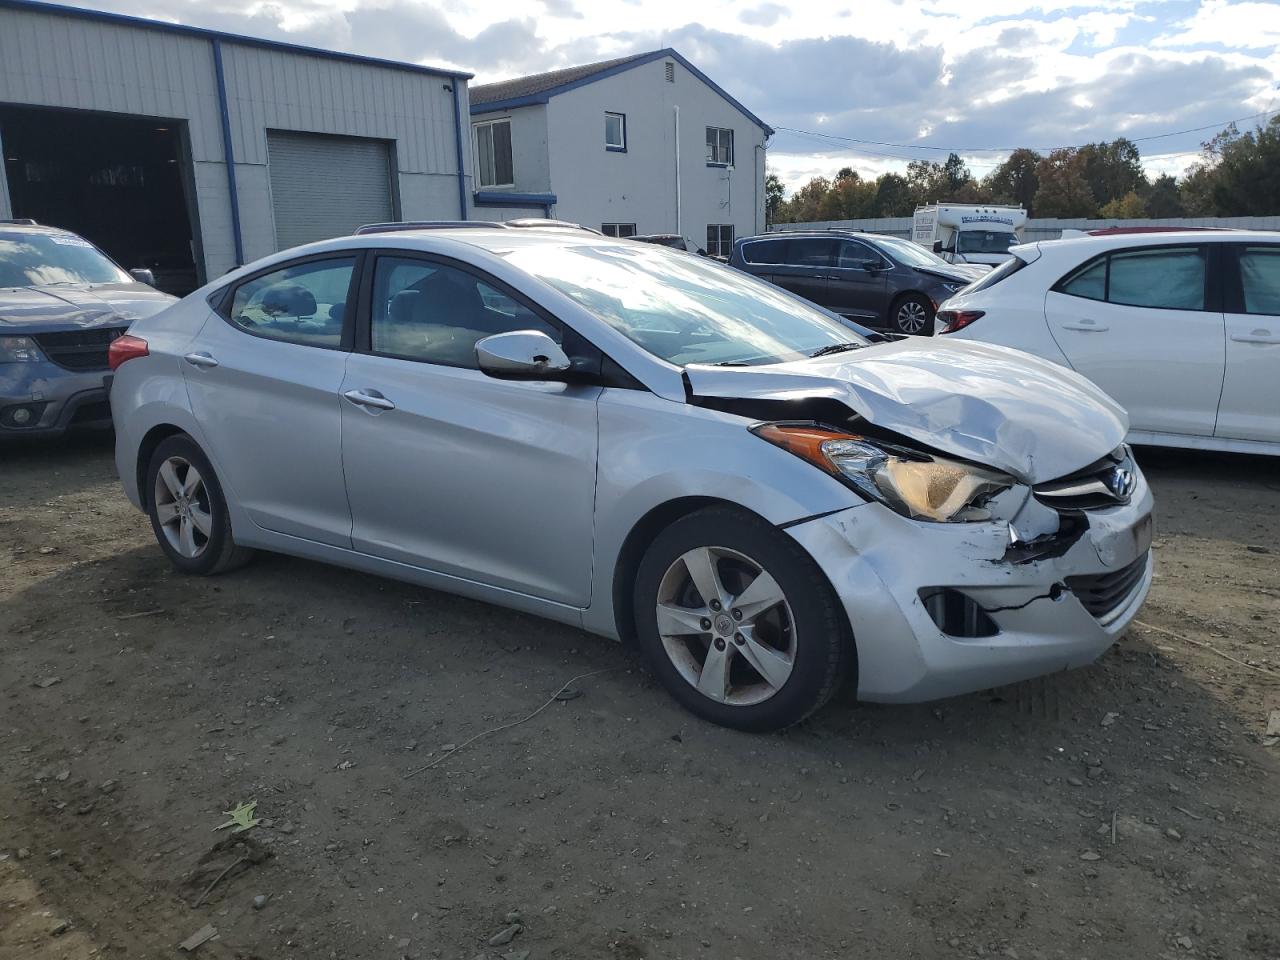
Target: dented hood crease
x,y
1026,416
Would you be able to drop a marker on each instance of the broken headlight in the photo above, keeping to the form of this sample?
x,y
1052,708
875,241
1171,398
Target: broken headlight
x,y
917,485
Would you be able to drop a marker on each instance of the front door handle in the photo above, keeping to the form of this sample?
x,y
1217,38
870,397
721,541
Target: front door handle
x,y
369,398
1257,336
1085,327
201,359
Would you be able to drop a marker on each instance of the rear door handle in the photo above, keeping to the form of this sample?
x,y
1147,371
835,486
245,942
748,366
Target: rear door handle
x,y
1257,336
1085,327
201,359
369,398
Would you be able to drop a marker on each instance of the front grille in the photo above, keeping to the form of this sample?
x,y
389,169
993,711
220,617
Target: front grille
x,y
1104,593
1106,483
79,349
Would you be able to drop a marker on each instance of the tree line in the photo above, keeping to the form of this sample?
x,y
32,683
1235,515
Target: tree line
x,y
1237,174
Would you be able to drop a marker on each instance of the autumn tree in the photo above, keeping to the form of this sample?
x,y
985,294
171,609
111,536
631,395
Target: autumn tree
x,y
1113,170
1016,180
1129,207
1064,188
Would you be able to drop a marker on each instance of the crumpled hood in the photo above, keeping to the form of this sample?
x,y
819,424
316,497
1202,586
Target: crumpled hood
x,y
56,308
993,405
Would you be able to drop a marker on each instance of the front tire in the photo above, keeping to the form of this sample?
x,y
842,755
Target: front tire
x,y
188,511
912,314
738,622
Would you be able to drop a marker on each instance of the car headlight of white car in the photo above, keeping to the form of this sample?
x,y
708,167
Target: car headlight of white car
x,y
918,485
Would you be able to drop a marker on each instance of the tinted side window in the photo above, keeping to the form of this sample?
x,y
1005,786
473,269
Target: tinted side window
x,y
765,251
1260,279
1171,279
854,254
436,313
811,252
302,303
1090,282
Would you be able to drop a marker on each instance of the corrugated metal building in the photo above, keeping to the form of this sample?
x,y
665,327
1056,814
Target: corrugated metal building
x,y
125,130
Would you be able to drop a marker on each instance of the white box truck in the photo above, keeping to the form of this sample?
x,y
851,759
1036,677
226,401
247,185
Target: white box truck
x,y
961,233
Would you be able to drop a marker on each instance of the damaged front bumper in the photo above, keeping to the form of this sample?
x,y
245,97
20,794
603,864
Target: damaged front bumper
x,y
939,609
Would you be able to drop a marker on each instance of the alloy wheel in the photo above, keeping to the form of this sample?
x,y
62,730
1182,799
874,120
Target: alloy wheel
x,y
182,507
726,626
912,316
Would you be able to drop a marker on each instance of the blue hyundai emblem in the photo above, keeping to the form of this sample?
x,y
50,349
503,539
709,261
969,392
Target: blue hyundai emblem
x,y
1121,482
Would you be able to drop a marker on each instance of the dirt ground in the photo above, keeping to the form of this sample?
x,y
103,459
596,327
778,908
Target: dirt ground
x,y
1127,810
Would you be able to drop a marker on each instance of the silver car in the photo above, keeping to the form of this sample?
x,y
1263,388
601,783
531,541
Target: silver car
x,y
649,446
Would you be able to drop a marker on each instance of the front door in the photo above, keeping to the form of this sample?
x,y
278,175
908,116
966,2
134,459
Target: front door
x,y
1250,408
1135,323
448,469
858,282
263,380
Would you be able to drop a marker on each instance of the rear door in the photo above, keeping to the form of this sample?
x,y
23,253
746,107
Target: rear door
x,y
807,270
263,378
1250,407
1141,324
449,469
761,257
858,283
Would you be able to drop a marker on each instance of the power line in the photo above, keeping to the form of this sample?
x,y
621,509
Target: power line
x,y
962,150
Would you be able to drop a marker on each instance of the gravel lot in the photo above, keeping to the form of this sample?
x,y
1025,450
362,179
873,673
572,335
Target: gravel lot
x,y
1126,810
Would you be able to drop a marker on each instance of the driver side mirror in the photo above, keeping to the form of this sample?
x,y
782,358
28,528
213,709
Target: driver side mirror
x,y
143,275
521,355
937,246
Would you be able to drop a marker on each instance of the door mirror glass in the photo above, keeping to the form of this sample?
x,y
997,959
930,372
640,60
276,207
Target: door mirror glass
x,y
937,246
143,276
521,355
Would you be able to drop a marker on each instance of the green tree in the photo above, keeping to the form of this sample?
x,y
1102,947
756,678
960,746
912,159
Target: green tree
x,y
893,196
1245,179
1163,201
1129,207
1113,170
956,173
1016,180
775,193
1064,189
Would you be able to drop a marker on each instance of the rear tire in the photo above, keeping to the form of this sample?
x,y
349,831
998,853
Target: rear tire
x,y
912,314
766,654
188,511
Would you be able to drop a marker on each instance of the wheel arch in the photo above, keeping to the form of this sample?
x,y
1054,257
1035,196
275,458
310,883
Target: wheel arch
x,y
152,439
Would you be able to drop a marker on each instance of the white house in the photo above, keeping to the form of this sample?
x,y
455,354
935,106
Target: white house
x,y
642,144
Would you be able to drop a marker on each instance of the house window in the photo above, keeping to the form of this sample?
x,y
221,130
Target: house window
x,y
618,229
719,146
720,239
615,131
493,154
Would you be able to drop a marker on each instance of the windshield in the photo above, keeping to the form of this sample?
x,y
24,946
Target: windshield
x,y
985,241
685,309
46,259
912,254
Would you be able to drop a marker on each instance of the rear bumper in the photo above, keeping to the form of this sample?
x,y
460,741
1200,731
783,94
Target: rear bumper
x,y
880,563
56,400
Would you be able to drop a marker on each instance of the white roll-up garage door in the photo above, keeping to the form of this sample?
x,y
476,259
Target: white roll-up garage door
x,y
324,187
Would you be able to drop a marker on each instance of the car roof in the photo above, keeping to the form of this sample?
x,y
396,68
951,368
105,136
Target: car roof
x,y
25,226
1120,241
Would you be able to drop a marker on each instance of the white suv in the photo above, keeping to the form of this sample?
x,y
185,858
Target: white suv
x,y
1182,329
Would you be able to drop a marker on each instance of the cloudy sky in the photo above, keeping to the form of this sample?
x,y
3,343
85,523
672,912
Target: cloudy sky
x,y
866,83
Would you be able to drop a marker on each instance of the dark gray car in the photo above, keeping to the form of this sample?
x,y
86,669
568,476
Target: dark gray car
x,y
871,278
62,302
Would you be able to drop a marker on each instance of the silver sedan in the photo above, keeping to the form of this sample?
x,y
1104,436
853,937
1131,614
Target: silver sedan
x,y
647,445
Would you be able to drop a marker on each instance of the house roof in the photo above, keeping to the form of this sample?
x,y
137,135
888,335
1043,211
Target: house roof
x,y
37,6
541,87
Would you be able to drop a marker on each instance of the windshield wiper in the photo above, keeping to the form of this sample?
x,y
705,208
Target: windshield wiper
x,y
835,348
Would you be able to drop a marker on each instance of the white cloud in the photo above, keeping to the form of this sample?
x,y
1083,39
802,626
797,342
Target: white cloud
x,y
1248,25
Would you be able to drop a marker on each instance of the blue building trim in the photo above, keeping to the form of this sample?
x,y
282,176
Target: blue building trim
x,y
544,96
497,198
228,152
38,6
457,142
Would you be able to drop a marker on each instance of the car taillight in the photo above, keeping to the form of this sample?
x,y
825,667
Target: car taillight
x,y
953,320
125,348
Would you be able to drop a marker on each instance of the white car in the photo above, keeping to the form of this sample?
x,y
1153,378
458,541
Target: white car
x,y
1181,329
645,445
